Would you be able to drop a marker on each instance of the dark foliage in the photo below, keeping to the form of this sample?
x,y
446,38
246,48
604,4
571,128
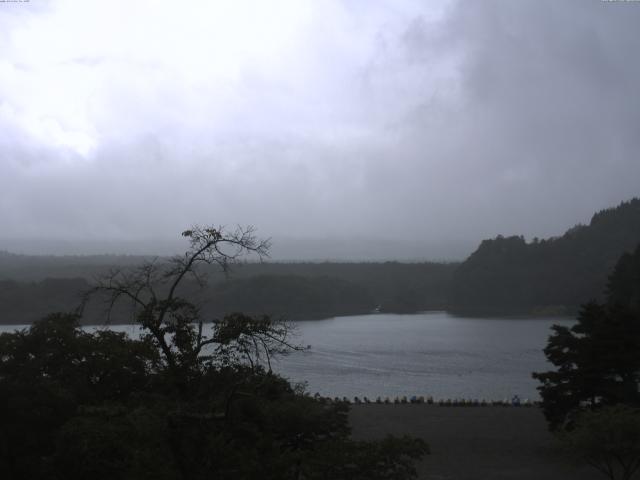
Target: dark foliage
x,y
598,359
48,372
623,288
100,405
509,275
608,439
188,400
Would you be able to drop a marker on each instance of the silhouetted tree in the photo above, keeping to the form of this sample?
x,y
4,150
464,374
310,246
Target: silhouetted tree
x,y
48,373
189,400
153,289
598,358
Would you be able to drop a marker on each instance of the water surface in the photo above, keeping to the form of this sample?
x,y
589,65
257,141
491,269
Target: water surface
x,y
431,353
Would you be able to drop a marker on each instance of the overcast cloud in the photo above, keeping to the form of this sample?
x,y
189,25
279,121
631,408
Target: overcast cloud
x,y
403,129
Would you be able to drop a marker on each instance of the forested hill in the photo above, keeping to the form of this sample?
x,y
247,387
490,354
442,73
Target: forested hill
x,y
31,287
510,275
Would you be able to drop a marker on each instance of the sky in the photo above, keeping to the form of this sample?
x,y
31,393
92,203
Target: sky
x,y
342,129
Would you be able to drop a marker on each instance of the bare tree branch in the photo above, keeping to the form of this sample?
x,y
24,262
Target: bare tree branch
x,y
175,323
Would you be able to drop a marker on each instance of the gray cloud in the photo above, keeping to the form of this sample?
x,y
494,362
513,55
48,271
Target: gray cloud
x,y
413,133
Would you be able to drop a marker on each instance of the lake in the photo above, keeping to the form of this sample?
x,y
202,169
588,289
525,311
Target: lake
x,y
431,353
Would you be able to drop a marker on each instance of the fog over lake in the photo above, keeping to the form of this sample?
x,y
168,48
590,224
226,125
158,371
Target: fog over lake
x,y
433,353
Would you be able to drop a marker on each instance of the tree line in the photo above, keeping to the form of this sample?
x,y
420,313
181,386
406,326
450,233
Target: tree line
x,y
297,291
504,275
556,275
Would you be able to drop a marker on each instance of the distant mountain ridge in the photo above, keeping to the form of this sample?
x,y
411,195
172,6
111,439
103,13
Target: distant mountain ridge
x,y
510,275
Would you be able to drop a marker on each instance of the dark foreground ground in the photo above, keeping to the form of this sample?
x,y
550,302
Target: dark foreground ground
x,y
474,443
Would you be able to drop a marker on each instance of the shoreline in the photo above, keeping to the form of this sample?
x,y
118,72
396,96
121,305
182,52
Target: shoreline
x,y
504,315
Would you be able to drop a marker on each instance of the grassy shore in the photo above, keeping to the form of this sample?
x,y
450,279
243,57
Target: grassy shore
x,y
474,443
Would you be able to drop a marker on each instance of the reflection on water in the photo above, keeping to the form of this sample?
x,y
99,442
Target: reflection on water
x,y
431,353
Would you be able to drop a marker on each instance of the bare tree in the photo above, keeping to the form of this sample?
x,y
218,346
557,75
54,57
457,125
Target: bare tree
x,y
255,340
174,322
